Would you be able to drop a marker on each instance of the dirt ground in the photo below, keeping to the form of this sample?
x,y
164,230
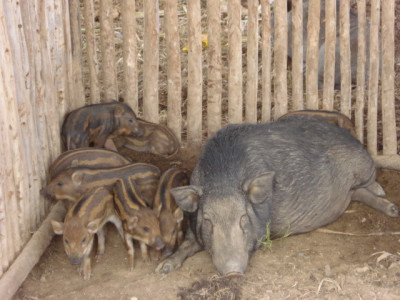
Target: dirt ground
x,y
356,257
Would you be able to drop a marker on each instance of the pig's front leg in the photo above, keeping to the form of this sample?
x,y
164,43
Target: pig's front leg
x,y
188,248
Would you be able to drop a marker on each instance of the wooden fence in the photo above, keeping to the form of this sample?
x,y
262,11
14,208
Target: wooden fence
x,y
199,64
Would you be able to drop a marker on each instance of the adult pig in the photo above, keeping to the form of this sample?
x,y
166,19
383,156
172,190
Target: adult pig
x,y
92,125
296,175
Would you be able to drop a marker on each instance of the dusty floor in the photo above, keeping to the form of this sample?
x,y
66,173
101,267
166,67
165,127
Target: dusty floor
x,y
357,258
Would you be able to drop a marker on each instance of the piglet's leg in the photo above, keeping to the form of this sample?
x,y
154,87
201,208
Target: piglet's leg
x,y
100,244
381,204
188,248
130,251
87,269
145,254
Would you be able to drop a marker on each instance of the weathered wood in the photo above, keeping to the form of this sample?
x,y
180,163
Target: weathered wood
x,y
387,161
194,101
92,59
174,113
329,55
17,273
4,262
313,23
372,137
214,83
71,103
235,76
345,59
252,61
280,59
76,50
266,62
297,55
151,60
388,108
361,58
129,54
109,72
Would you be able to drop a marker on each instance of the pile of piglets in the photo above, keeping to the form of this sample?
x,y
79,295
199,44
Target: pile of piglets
x,y
99,185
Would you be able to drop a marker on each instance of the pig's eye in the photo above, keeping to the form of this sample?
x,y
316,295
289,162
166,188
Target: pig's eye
x,y
174,231
66,242
130,120
146,229
59,183
83,240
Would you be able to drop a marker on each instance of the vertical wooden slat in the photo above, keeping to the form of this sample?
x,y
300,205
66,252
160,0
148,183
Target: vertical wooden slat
x,y
388,108
329,55
151,61
77,84
280,58
194,104
3,227
214,84
361,57
252,61
72,103
109,74
91,50
313,23
345,58
130,54
173,68
266,62
297,54
235,78
373,79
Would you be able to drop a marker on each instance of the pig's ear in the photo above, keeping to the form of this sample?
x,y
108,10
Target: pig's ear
x,y
132,222
74,163
178,214
58,227
93,226
259,188
77,177
157,210
187,197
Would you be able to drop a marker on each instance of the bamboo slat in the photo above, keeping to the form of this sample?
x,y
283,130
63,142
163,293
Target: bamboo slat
x,y
297,54
214,83
266,62
388,108
151,60
109,74
235,78
280,58
92,59
361,57
345,59
194,103
329,55
312,54
372,135
174,114
252,61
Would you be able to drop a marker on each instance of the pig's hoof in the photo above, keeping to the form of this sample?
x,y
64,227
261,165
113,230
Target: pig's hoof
x,y
86,276
98,257
393,211
164,268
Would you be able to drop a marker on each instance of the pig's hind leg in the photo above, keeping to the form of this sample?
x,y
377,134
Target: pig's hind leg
x,y
188,248
370,196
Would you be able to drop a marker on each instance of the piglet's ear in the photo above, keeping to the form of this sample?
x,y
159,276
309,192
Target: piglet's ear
x,y
187,197
259,188
132,222
77,177
58,227
93,226
178,214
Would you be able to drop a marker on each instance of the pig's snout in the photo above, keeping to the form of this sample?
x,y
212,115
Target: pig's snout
x,y
137,131
234,275
44,192
159,244
233,269
75,260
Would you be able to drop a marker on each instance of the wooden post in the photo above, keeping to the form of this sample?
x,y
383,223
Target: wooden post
x,y
313,23
174,114
372,136
151,61
91,51
345,59
361,57
194,103
77,93
214,84
110,88
266,62
235,78
329,55
280,58
252,61
4,260
388,108
297,54
72,103
130,78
